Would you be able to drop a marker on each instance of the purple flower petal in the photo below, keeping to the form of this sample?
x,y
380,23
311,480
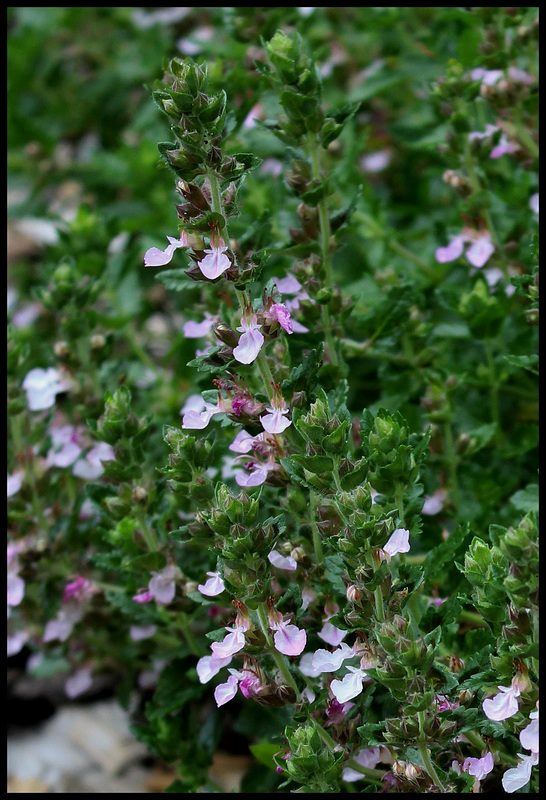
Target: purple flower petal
x,y
282,562
276,421
480,251
214,585
225,692
215,263
209,666
503,706
398,542
332,635
250,344
289,639
78,683
451,252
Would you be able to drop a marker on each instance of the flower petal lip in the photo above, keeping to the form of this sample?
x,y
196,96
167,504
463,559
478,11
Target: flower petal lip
x,y
215,263
250,344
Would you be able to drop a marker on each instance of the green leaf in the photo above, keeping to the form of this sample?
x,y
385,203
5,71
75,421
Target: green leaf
x,y
176,280
524,362
526,499
264,753
445,553
317,464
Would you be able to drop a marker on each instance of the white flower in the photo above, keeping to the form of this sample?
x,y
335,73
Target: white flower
x,y
15,481
350,686
504,705
282,562
42,387
214,585
250,341
78,683
517,777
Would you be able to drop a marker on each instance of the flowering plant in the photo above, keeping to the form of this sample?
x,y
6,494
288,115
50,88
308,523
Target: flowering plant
x,y
322,535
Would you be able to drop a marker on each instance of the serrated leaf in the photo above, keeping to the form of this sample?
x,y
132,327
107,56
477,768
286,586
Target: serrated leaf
x,y
316,464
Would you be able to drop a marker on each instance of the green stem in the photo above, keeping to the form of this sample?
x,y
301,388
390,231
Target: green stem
x,y
493,389
403,251
317,542
324,224
149,535
380,233
399,500
452,460
379,610
183,625
475,739
524,136
423,749
265,372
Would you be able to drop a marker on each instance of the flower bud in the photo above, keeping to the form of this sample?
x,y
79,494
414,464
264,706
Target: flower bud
x,y
353,593
62,349
139,495
97,341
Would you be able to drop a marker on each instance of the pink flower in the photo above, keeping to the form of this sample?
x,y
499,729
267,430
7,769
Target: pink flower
x,y
90,466
517,777
282,562
398,543
478,253
154,257
250,342
332,635
214,585
529,736
326,661
279,313
77,590
144,596
196,330
350,686
288,638
209,666
197,413
307,596
16,589
533,203
504,705
256,473
225,692
65,447
232,643
16,642
275,421
376,162
42,387
248,683
434,503
369,757
140,632
479,767
78,683
215,263
162,585
62,626
15,481
243,442
336,712
487,76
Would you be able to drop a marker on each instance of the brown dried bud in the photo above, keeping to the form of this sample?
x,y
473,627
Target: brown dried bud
x,y
61,349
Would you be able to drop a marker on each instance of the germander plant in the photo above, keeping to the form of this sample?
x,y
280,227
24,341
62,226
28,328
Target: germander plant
x,y
277,550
